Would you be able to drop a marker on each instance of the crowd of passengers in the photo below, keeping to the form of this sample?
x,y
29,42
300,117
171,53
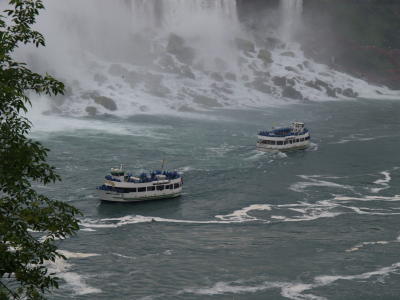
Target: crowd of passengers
x,y
282,132
151,188
144,177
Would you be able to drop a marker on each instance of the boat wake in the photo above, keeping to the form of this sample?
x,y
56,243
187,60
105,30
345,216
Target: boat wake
x,y
289,290
316,181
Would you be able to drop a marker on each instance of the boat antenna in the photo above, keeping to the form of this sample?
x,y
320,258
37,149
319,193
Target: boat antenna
x,y
162,165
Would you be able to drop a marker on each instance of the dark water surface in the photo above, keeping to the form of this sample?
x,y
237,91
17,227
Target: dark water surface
x,y
316,224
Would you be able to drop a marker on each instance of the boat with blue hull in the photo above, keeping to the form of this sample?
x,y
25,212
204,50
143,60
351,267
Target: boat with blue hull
x,y
121,186
297,136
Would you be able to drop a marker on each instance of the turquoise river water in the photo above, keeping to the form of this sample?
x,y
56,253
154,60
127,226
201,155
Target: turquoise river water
x,y
317,224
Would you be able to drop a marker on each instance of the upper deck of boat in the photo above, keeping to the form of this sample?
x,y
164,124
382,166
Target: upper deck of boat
x,y
282,132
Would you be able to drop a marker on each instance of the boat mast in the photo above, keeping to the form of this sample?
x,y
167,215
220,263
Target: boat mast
x,y
162,165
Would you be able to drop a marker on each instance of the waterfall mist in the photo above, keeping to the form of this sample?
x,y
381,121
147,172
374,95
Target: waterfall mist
x,y
125,57
291,11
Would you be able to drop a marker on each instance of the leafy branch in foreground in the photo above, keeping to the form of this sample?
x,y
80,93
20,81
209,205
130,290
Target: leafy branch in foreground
x,y
23,211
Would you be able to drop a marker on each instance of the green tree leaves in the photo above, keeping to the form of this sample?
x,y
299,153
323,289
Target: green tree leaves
x,y
29,222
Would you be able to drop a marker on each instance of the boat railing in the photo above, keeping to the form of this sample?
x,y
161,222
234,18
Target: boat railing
x,y
282,133
109,177
144,177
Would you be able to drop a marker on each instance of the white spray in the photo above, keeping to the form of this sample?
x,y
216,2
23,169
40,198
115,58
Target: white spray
x,y
291,11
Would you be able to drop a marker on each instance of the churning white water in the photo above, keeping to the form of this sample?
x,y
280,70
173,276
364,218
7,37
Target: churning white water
x,y
173,56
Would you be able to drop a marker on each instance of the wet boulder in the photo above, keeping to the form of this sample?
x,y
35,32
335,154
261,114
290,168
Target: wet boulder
x,y
288,53
313,85
154,85
331,92
291,69
245,45
217,77
167,63
176,45
100,78
350,93
279,81
206,101
106,102
292,93
117,70
265,56
321,83
272,42
132,78
260,85
91,111
230,76
186,71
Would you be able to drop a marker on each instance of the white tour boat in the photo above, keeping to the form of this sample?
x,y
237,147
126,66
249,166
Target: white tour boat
x,y
294,137
124,187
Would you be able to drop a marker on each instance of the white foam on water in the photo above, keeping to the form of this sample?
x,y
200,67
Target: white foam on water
x,y
301,186
307,212
87,229
382,182
255,155
74,280
229,288
313,147
363,244
137,219
290,290
47,124
238,216
69,254
369,211
367,198
242,215
358,138
280,154
123,256
221,150
327,279
167,252
186,169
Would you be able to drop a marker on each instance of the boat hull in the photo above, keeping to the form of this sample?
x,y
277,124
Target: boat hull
x,y
111,196
268,148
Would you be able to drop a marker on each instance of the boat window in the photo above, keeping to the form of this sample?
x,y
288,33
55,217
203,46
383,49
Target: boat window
x,y
286,142
297,140
151,188
176,185
302,140
160,187
131,190
167,187
141,189
291,141
279,142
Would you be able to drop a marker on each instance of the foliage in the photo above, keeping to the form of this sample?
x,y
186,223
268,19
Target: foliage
x,y
24,213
